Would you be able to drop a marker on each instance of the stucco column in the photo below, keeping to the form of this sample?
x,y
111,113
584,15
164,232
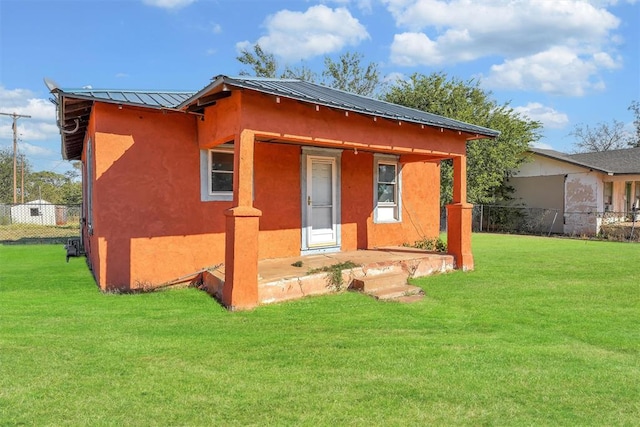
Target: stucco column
x,y
242,224
459,217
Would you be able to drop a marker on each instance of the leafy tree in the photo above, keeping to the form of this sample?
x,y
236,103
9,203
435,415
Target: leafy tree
x,y
262,63
62,189
489,161
301,73
349,75
6,175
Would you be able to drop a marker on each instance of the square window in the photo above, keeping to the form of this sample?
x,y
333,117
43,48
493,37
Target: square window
x,y
34,211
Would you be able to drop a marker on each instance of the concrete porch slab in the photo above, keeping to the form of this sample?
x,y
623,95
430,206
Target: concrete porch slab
x,y
280,279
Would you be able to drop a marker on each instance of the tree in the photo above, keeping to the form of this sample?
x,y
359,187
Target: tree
x,y
607,136
602,137
59,189
349,75
635,108
489,161
6,175
262,63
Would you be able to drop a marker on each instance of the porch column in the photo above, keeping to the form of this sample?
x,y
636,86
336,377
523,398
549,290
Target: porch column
x,y
459,217
240,289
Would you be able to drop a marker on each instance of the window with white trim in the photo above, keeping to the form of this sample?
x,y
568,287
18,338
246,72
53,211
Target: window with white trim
x,y
217,173
387,189
221,167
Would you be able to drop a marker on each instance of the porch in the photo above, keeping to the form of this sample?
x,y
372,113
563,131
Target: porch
x,y
283,279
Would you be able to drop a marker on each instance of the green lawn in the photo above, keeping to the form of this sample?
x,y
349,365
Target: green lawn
x,y
543,332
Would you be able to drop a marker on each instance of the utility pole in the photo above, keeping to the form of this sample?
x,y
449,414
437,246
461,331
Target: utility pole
x,y
14,126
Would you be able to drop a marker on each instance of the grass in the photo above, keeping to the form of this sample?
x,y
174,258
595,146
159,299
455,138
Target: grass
x,y
543,332
34,233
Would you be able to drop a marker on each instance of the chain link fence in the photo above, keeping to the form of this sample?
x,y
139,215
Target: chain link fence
x,y
38,222
619,226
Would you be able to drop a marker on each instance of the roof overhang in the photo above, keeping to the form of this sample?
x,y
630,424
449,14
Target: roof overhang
x,y
550,154
73,115
221,86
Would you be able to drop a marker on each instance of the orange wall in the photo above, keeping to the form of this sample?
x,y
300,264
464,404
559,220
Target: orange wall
x,y
149,223
277,194
289,119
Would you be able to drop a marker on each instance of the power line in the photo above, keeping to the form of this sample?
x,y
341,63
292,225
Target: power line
x,y
15,117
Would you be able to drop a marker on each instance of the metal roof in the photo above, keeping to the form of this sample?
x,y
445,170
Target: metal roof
x,y
74,105
146,98
623,161
334,98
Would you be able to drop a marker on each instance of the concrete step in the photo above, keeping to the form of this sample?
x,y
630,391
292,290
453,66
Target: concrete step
x,y
396,292
369,284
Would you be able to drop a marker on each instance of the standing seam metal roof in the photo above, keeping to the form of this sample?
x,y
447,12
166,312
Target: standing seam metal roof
x,y
329,97
154,99
288,88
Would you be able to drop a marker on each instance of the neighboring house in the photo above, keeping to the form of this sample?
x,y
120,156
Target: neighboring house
x,y
585,189
249,169
37,212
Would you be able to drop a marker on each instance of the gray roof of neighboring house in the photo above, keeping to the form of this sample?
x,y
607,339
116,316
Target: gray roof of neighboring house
x,y
622,162
321,95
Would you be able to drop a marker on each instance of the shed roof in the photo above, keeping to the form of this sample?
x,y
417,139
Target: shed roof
x,y
618,162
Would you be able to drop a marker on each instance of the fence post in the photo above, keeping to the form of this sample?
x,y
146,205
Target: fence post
x,y
553,222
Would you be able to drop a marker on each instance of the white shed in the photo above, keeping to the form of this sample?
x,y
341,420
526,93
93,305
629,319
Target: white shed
x,y
38,212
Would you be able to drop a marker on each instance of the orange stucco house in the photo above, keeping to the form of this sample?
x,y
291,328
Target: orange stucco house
x,y
249,169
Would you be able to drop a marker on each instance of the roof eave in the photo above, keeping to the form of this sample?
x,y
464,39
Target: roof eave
x,y
572,162
474,131
216,81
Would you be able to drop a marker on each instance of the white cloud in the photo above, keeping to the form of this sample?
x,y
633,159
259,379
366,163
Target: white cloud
x,y
542,145
525,34
23,101
558,71
409,49
31,150
38,136
301,35
548,116
168,4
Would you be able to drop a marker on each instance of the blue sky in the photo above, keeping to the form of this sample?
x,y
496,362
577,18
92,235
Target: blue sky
x,y
563,62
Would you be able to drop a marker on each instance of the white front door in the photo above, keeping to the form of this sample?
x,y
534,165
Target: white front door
x,y
321,198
